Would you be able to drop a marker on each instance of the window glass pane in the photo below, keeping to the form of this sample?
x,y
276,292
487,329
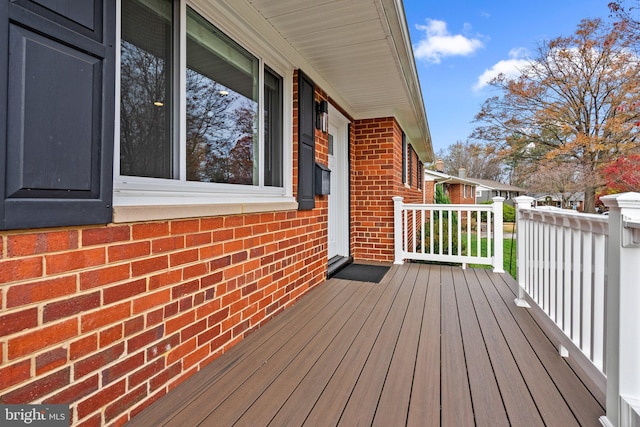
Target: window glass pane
x,y
146,86
222,107
272,129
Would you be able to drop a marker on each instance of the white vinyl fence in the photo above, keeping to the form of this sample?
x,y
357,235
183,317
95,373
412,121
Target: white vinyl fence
x,y
584,272
449,233
562,257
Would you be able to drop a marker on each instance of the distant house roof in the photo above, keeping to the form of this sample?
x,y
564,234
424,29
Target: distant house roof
x,y
487,183
495,185
443,177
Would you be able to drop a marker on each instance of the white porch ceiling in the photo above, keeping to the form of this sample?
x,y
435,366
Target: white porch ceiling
x,y
359,51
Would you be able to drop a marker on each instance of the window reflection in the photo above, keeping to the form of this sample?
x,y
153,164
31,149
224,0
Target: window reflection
x,y
222,107
273,129
221,139
146,86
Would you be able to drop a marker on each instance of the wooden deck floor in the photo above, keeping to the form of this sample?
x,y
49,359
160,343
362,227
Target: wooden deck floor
x,y
428,346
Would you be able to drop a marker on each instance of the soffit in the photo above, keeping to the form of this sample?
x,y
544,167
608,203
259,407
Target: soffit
x,y
360,53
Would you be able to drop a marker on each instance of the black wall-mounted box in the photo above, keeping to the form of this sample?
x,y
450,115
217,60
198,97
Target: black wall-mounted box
x,y
323,180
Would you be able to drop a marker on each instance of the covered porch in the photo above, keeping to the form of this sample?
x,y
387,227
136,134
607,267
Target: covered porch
x,y
428,345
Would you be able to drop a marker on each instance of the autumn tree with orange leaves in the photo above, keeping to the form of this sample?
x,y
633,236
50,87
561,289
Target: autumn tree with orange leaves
x,y
627,13
576,103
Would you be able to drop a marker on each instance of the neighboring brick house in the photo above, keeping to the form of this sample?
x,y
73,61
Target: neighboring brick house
x,y
459,189
160,193
464,190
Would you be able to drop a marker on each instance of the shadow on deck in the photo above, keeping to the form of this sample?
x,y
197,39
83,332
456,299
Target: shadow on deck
x,y
429,345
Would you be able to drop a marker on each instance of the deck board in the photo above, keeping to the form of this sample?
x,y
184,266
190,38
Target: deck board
x,y
487,401
424,408
330,406
326,339
580,400
363,402
545,395
305,395
428,345
311,337
396,393
517,399
457,408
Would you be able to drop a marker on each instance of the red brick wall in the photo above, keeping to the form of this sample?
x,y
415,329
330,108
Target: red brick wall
x,y
430,191
456,194
110,318
377,174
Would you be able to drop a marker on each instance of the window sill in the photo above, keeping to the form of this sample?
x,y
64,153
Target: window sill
x,y
123,214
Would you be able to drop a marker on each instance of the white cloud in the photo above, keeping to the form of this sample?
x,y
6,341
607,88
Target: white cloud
x,y
439,43
509,67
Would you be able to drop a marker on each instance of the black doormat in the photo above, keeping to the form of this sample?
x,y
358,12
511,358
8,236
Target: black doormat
x,y
363,273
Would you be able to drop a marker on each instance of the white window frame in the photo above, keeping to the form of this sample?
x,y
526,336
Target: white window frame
x,y
141,198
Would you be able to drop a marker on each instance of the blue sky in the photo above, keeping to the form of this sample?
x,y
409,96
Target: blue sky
x,y
459,44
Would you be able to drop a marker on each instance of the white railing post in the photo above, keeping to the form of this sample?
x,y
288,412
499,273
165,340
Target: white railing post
x,y
397,231
498,235
522,202
623,311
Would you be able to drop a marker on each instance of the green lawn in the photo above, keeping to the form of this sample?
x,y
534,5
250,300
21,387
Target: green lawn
x,y
509,248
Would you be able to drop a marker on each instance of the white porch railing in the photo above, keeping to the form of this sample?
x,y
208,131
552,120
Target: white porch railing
x,y
466,234
561,265
584,272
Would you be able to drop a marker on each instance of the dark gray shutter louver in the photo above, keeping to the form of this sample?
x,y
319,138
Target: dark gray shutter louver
x,y
404,158
410,168
306,143
57,80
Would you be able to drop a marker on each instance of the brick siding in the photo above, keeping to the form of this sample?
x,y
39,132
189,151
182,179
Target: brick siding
x,y
430,191
377,174
110,318
456,194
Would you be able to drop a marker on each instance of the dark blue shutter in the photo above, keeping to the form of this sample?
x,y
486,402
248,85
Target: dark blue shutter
x,y
57,80
306,143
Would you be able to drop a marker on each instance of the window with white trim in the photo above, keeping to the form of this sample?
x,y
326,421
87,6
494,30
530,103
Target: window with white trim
x,y
202,118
